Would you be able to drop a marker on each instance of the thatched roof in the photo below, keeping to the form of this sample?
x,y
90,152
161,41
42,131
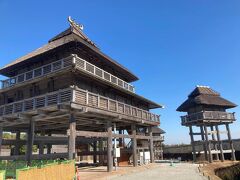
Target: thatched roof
x,y
157,130
65,37
204,95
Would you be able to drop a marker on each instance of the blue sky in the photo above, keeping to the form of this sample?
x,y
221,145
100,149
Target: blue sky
x,y
172,45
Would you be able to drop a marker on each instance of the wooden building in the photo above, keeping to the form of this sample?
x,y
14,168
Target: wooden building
x,y
69,87
206,110
158,142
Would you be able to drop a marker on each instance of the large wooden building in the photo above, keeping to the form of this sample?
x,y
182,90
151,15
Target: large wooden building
x,y
206,111
70,87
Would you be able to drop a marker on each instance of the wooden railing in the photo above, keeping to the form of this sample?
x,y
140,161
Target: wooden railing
x,y
158,138
34,103
208,115
78,96
94,100
79,63
38,72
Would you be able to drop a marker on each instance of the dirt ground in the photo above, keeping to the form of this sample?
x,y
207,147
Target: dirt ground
x,y
183,171
209,169
100,173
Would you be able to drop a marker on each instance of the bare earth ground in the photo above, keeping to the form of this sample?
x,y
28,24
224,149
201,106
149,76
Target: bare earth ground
x,y
183,171
209,169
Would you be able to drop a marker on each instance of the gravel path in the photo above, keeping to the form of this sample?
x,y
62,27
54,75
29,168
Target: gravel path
x,y
166,172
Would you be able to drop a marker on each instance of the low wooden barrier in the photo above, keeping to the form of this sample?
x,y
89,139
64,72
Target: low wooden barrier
x,y
2,175
54,171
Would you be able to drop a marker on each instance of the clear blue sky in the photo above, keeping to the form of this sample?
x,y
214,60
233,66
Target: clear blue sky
x,y
172,45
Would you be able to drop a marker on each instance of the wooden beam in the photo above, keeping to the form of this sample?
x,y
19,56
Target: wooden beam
x,y
90,134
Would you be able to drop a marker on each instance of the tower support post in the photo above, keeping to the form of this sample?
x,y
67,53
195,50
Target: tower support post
x,y
214,142
204,143
220,143
192,143
95,150
210,159
30,138
230,142
72,138
17,145
109,147
151,145
1,137
134,145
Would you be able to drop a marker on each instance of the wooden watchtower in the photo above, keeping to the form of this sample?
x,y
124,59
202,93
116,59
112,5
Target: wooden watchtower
x,y
206,110
69,87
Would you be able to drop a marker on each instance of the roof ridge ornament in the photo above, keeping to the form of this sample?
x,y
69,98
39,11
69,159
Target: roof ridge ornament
x,y
79,29
73,23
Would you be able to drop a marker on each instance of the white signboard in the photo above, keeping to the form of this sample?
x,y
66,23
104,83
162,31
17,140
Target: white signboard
x,y
117,153
147,155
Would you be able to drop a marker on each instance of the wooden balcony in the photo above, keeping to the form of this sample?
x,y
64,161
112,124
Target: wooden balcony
x,y
71,61
208,116
158,138
76,96
38,72
91,69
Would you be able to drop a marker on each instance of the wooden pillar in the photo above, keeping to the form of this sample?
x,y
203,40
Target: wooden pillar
x,y
17,145
120,139
220,144
72,138
49,146
230,142
210,159
95,150
41,148
161,149
1,137
109,147
41,145
204,143
101,157
192,143
214,143
134,145
30,141
151,144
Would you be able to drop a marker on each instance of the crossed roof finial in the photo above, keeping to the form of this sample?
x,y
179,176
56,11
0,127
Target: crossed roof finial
x,y
73,23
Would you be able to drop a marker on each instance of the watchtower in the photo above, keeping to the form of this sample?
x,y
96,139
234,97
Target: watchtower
x,y
70,88
206,110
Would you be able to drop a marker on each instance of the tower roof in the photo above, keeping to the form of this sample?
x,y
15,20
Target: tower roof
x,y
157,130
204,95
73,34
